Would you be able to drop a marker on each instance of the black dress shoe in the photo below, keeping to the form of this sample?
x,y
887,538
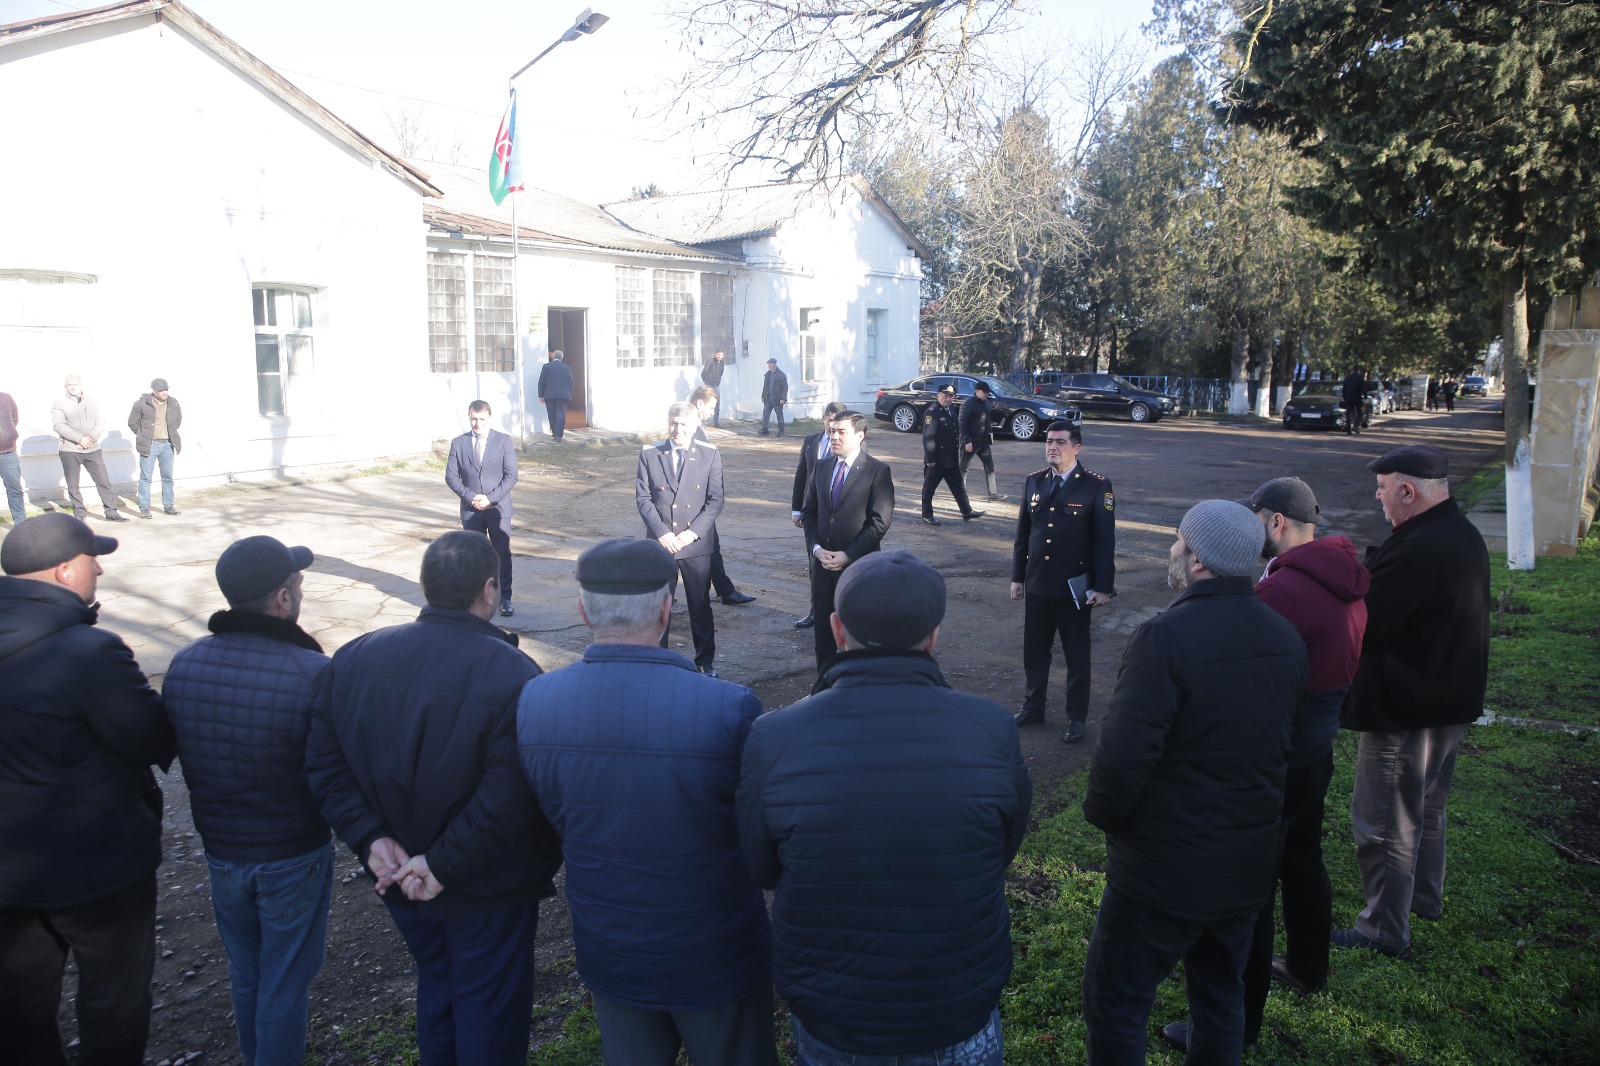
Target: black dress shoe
x,y
1023,718
707,670
970,515
1176,1034
506,610
171,511
932,521
1073,734
805,623
112,516
736,597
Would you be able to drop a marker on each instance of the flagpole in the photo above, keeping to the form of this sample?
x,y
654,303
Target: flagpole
x,y
586,23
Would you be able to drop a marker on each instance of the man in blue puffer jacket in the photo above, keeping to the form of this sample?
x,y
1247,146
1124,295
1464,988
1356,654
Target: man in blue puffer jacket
x,y
240,701
635,757
884,810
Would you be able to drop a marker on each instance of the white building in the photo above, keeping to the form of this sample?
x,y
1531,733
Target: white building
x,y
174,208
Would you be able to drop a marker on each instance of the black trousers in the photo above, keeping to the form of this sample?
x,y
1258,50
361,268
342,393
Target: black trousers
x,y
980,449
739,1034
1044,618
72,466
113,940
823,584
721,583
696,573
950,475
557,410
499,538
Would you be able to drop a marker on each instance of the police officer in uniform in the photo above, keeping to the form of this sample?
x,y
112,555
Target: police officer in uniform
x,y
976,438
941,456
1061,566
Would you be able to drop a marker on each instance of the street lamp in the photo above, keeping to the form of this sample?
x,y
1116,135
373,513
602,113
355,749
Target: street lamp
x,y
586,23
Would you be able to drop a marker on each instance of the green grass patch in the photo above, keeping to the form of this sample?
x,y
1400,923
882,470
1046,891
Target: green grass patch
x,y
1484,490
1544,659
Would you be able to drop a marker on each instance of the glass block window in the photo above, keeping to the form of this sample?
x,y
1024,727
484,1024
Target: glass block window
x,y
630,316
491,311
716,316
674,317
447,313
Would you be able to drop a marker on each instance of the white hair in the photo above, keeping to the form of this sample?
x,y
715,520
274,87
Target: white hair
x,y
1428,489
614,612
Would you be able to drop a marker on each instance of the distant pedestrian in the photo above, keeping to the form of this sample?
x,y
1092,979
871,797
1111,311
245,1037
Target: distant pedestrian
x,y
80,811
1354,396
670,930
10,467
941,456
555,392
240,701
711,375
1433,394
774,394
883,810
1449,389
977,438
413,761
80,425
154,420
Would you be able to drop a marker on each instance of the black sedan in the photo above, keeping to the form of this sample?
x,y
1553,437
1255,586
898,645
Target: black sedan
x,y
1110,394
1011,410
1319,410
1473,385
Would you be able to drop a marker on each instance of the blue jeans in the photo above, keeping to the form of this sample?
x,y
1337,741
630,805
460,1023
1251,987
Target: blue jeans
x,y
160,452
982,1048
11,474
273,917
1133,949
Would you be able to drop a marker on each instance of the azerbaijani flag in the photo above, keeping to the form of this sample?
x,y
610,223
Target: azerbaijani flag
x,y
505,168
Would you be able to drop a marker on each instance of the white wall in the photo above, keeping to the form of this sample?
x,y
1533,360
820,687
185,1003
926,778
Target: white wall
x,y
143,160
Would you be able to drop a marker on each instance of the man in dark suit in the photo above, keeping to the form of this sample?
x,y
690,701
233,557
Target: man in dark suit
x,y
849,504
711,375
774,394
679,493
704,399
1066,530
1354,395
555,392
941,456
815,449
976,438
482,470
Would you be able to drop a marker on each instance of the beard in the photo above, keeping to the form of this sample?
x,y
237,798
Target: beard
x,y
1178,572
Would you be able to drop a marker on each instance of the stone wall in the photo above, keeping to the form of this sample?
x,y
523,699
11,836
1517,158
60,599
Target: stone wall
x,y
1566,424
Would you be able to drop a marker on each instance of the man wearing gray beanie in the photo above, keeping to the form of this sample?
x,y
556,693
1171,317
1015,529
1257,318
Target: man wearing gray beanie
x,y
1206,694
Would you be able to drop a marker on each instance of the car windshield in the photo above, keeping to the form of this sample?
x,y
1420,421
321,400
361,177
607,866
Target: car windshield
x,y
1125,383
1001,388
1476,381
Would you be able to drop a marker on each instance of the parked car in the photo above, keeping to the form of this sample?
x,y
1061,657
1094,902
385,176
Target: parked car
x,y
1321,410
1472,385
1111,394
1011,410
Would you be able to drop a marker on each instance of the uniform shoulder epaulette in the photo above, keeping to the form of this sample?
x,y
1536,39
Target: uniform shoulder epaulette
x,y
1091,473
1041,470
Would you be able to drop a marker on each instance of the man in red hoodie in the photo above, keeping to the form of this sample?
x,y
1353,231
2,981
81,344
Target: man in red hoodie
x,y
1318,585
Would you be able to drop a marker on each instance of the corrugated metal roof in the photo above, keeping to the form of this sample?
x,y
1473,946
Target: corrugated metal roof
x,y
467,207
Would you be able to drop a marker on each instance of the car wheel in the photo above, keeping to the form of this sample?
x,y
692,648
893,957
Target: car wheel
x,y
1024,426
1288,423
1139,412
905,418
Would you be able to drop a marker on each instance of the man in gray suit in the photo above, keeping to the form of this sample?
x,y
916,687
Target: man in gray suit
x,y
482,470
679,493
555,392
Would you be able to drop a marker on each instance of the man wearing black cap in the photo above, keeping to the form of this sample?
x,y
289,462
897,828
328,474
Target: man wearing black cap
x,y
154,420
80,813
240,701
1423,673
774,394
883,810
413,761
941,456
670,929
1187,784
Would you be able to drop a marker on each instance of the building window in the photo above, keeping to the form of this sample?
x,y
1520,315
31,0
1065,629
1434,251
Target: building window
x,y
29,299
630,316
674,317
810,341
447,313
874,353
285,346
495,350
716,315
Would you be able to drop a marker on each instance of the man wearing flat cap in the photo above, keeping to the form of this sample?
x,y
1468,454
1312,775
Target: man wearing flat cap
x,y
635,758
413,761
774,394
1423,672
80,812
883,810
240,701
1187,783
154,420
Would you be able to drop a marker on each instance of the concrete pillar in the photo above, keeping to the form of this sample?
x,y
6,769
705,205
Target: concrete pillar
x,y
1566,424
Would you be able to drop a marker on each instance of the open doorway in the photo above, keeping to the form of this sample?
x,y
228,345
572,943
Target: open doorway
x,y
568,332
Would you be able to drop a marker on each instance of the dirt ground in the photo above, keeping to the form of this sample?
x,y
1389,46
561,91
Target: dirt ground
x,y
571,495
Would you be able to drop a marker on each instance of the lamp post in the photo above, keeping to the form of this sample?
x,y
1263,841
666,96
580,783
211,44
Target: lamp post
x,y
586,23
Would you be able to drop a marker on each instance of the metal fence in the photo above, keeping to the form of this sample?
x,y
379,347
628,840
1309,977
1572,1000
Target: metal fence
x,y
1194,394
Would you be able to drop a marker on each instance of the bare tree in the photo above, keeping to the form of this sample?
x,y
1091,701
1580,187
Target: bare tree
x,y
416,136
800,78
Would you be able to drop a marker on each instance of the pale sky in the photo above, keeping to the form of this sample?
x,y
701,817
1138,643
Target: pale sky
x,y
587,109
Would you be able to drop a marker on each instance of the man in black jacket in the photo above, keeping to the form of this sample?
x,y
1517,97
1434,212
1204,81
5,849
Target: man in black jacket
x,y
1424,668
154,420
80,813
884,810
240,701
1188,785
774,394
941,456
976,438
815,449
555,392
413,760
1353,395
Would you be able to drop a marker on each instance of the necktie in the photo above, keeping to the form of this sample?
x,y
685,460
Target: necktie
x,y
677,470
477,447
839,470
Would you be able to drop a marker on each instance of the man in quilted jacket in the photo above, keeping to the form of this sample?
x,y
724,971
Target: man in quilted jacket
x,y
240,702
